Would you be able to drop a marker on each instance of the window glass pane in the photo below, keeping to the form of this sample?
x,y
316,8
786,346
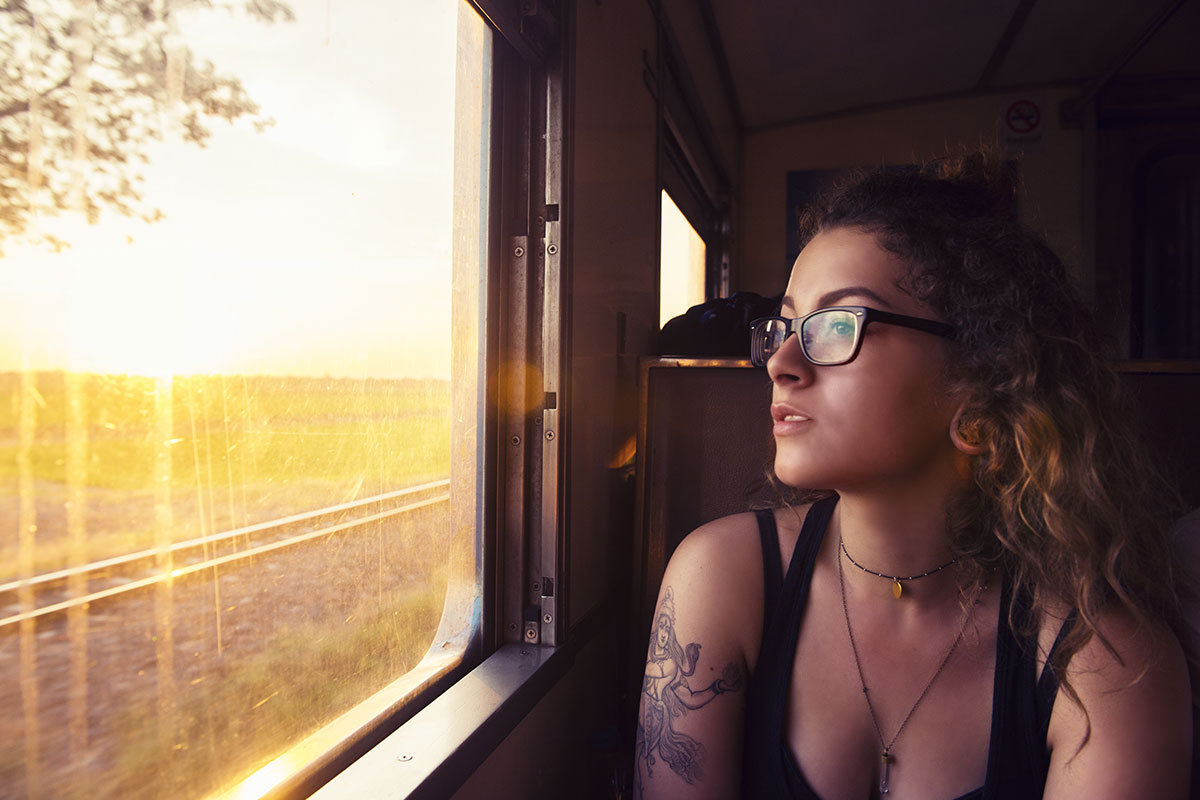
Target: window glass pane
x,y
681,271
231,397
1169,281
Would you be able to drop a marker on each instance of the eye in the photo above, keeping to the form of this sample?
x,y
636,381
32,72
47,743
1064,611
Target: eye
x,y
842,327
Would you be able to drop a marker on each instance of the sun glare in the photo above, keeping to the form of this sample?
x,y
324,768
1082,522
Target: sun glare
x,y
107,305
316,246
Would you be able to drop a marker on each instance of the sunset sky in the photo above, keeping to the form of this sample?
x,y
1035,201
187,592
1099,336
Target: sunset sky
x,y
319,246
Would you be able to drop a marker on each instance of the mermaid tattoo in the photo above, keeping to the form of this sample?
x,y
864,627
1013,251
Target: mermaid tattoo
x,y
667,695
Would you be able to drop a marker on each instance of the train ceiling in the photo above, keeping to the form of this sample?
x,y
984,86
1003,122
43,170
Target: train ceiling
x,y
789,60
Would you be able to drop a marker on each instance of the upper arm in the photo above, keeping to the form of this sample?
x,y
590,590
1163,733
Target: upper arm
x,y
694,688
1139,743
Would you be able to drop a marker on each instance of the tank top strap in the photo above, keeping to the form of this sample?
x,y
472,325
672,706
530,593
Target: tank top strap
x,y
767,769
808,546
1047,685
793,596
768,536
1022,702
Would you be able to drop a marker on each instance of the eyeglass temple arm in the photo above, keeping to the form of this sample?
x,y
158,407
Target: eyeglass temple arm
x,y
927,325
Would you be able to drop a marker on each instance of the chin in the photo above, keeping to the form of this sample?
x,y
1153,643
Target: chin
x,y
799,476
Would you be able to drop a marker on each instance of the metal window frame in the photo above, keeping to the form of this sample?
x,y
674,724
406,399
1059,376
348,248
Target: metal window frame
x,y
525,599
524,642
413,738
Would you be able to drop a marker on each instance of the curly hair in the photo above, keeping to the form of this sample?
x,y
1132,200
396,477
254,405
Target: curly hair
x,y
1064,499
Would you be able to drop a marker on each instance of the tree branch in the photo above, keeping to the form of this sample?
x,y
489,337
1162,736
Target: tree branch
x,y
21,108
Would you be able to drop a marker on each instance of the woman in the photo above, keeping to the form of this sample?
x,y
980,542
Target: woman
x,y
971,596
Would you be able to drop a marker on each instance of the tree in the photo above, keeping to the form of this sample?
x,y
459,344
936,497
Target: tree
x,y
85,87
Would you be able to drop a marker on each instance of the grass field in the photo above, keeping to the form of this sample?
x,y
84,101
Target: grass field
x,y
285,643
305,677
229,450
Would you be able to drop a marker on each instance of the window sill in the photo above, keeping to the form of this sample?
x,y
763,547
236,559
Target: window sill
x,y
433,753
297,770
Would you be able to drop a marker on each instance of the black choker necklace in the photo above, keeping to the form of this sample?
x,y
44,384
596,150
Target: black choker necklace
x,y
897,588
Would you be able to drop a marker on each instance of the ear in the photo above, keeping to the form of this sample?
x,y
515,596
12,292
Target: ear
x,y
967,441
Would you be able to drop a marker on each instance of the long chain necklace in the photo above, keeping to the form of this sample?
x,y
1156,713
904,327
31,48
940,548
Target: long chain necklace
x,y
897,589
885,756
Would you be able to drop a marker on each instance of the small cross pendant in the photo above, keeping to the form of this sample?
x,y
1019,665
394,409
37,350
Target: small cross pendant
x,y
885,767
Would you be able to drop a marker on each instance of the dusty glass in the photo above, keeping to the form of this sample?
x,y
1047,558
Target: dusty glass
x,y
234,414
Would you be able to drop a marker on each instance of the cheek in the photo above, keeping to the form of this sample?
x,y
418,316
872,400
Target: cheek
x,y
899,410
886,425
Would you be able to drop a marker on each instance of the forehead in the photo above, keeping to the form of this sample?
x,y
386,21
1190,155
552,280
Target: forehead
x,y
846,266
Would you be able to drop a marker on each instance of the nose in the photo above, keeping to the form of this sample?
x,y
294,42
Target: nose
x,y
789,366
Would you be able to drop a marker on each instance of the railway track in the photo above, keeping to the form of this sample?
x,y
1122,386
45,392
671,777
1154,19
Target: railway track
x,y
55,592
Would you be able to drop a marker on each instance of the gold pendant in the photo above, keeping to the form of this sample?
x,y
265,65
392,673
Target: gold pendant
x,y
897,589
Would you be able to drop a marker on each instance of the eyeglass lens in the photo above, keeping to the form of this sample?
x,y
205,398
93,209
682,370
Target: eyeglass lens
x,y
828,337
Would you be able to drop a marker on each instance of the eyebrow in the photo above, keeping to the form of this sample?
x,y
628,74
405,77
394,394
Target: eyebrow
x,y
831,298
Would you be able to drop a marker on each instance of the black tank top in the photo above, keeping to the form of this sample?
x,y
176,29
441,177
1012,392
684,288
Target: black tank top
x,y
1021,703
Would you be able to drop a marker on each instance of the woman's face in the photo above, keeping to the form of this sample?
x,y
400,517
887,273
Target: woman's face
x,y
664,632
881,420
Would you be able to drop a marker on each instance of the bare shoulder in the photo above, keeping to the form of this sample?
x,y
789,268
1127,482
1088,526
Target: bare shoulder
x,y
724,542
732,543
719,567
1132,736
717,570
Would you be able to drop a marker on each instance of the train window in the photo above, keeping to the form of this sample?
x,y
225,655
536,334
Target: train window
x,y
1167,290
238,427
681,265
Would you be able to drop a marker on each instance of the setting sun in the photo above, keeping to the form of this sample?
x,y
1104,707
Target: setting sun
x,y
110,306
316,245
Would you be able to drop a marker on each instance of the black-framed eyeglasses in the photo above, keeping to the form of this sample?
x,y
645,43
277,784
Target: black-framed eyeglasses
x,y
830,336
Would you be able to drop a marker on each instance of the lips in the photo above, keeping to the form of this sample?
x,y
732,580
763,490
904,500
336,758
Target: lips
x,y
781,412
788,419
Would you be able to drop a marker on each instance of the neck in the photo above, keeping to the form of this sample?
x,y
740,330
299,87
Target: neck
x,y
900,533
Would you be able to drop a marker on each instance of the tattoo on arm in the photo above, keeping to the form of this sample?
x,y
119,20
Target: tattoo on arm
x,y
667,695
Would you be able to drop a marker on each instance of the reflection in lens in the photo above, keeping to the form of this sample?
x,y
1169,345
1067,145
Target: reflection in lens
x,y
829,336
771,334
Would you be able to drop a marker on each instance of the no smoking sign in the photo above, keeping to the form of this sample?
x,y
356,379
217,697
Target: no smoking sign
x,y
1022,125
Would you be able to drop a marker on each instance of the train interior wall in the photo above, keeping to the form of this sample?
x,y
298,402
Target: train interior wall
x,y
1051,172
576,737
